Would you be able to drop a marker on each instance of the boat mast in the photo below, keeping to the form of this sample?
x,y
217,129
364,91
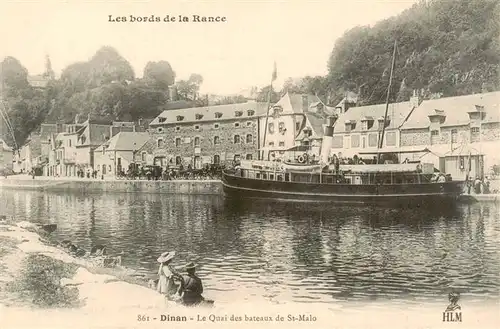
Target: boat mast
x,y
387,103
267,114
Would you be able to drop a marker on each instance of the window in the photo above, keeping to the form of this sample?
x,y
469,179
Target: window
x,y
338,142
216,126
162,120
180,118
474,134
177,142
348,127
281,127
236,125
281,144
218,115
454,135
237,157
237,139
271,128
178,160
196,127
249,138
238,113
216,159
271,143
198,116
159,142
143,156
177,128
248,157
372,140
197,141
249,123
434,132
364,125
250,113
355,141
69,142
160,130
297,125
216,140
390,138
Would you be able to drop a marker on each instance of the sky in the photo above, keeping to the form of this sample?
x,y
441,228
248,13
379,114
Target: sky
x,y
233,55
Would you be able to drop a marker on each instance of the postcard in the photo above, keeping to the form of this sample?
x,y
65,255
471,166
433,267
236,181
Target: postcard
x,y
249,164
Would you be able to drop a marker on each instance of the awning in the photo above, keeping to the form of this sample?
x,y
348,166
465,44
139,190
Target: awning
x,y
299,148
407,149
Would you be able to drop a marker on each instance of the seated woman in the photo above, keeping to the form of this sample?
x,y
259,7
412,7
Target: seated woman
x,y
191,287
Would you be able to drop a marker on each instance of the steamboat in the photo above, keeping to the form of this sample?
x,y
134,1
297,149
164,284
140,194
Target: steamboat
x,y
400,185
395,184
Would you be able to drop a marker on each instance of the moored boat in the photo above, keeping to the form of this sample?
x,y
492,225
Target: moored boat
x,y
403,185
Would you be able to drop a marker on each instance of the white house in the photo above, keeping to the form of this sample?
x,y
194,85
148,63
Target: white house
x,y
116,154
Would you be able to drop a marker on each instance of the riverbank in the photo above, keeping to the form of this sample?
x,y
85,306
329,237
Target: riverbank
x,y
42,286
88,185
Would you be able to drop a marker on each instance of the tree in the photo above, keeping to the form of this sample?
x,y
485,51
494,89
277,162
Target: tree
x,y
13,75
159,75
263,95
188,89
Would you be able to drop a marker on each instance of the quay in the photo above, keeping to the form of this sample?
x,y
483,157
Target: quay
x,y
89,185
181,186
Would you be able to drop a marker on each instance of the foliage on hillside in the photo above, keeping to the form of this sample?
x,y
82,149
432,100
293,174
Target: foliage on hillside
x,y
104,88
444,47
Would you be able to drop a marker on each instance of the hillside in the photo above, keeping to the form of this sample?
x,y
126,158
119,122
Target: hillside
x,y
444,48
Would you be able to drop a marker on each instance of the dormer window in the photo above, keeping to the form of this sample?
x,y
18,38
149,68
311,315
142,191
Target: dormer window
x,y
161,120
250,113
366,123
437,116
199,116
478,114
218,115
350,125
238,113
277,110
180,118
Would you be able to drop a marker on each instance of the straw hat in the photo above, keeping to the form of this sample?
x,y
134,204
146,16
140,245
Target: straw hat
x,y
190,266
166,256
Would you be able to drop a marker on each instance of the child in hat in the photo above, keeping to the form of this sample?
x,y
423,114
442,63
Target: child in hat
x,y
167,275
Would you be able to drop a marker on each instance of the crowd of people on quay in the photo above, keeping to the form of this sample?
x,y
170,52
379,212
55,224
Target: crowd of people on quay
x,y
151,172
479,186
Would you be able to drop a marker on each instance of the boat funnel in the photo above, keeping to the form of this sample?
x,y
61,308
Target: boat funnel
x,y
326,144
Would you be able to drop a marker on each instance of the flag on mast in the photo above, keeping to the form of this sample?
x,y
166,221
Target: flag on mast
x,y
275,72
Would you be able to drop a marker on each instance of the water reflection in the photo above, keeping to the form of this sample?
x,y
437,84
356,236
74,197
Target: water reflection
x,y
286,251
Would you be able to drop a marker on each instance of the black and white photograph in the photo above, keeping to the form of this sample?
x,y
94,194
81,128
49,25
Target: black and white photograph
x,y
250,164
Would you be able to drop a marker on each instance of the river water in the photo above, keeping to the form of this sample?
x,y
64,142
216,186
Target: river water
x,y
283,252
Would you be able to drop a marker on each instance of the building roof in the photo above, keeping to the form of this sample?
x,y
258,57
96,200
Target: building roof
x,y
48,129
293,103
126,141
208,113
177,105
456,110
397,114
316,122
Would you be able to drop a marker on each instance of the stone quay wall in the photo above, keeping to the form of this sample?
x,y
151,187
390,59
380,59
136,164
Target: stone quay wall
x,y
205,187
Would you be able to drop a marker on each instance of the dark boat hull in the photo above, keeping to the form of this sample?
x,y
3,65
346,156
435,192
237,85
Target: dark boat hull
x,y
401,195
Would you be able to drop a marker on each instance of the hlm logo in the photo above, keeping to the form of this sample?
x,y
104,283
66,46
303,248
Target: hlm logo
x,y
452,312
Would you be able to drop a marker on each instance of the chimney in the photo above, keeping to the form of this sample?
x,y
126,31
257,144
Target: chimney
x,y
172,93
415,99
305,103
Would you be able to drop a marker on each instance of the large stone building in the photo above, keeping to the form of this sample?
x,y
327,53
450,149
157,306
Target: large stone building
x,y
116,154
294,120
358,130
204,135
462,133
